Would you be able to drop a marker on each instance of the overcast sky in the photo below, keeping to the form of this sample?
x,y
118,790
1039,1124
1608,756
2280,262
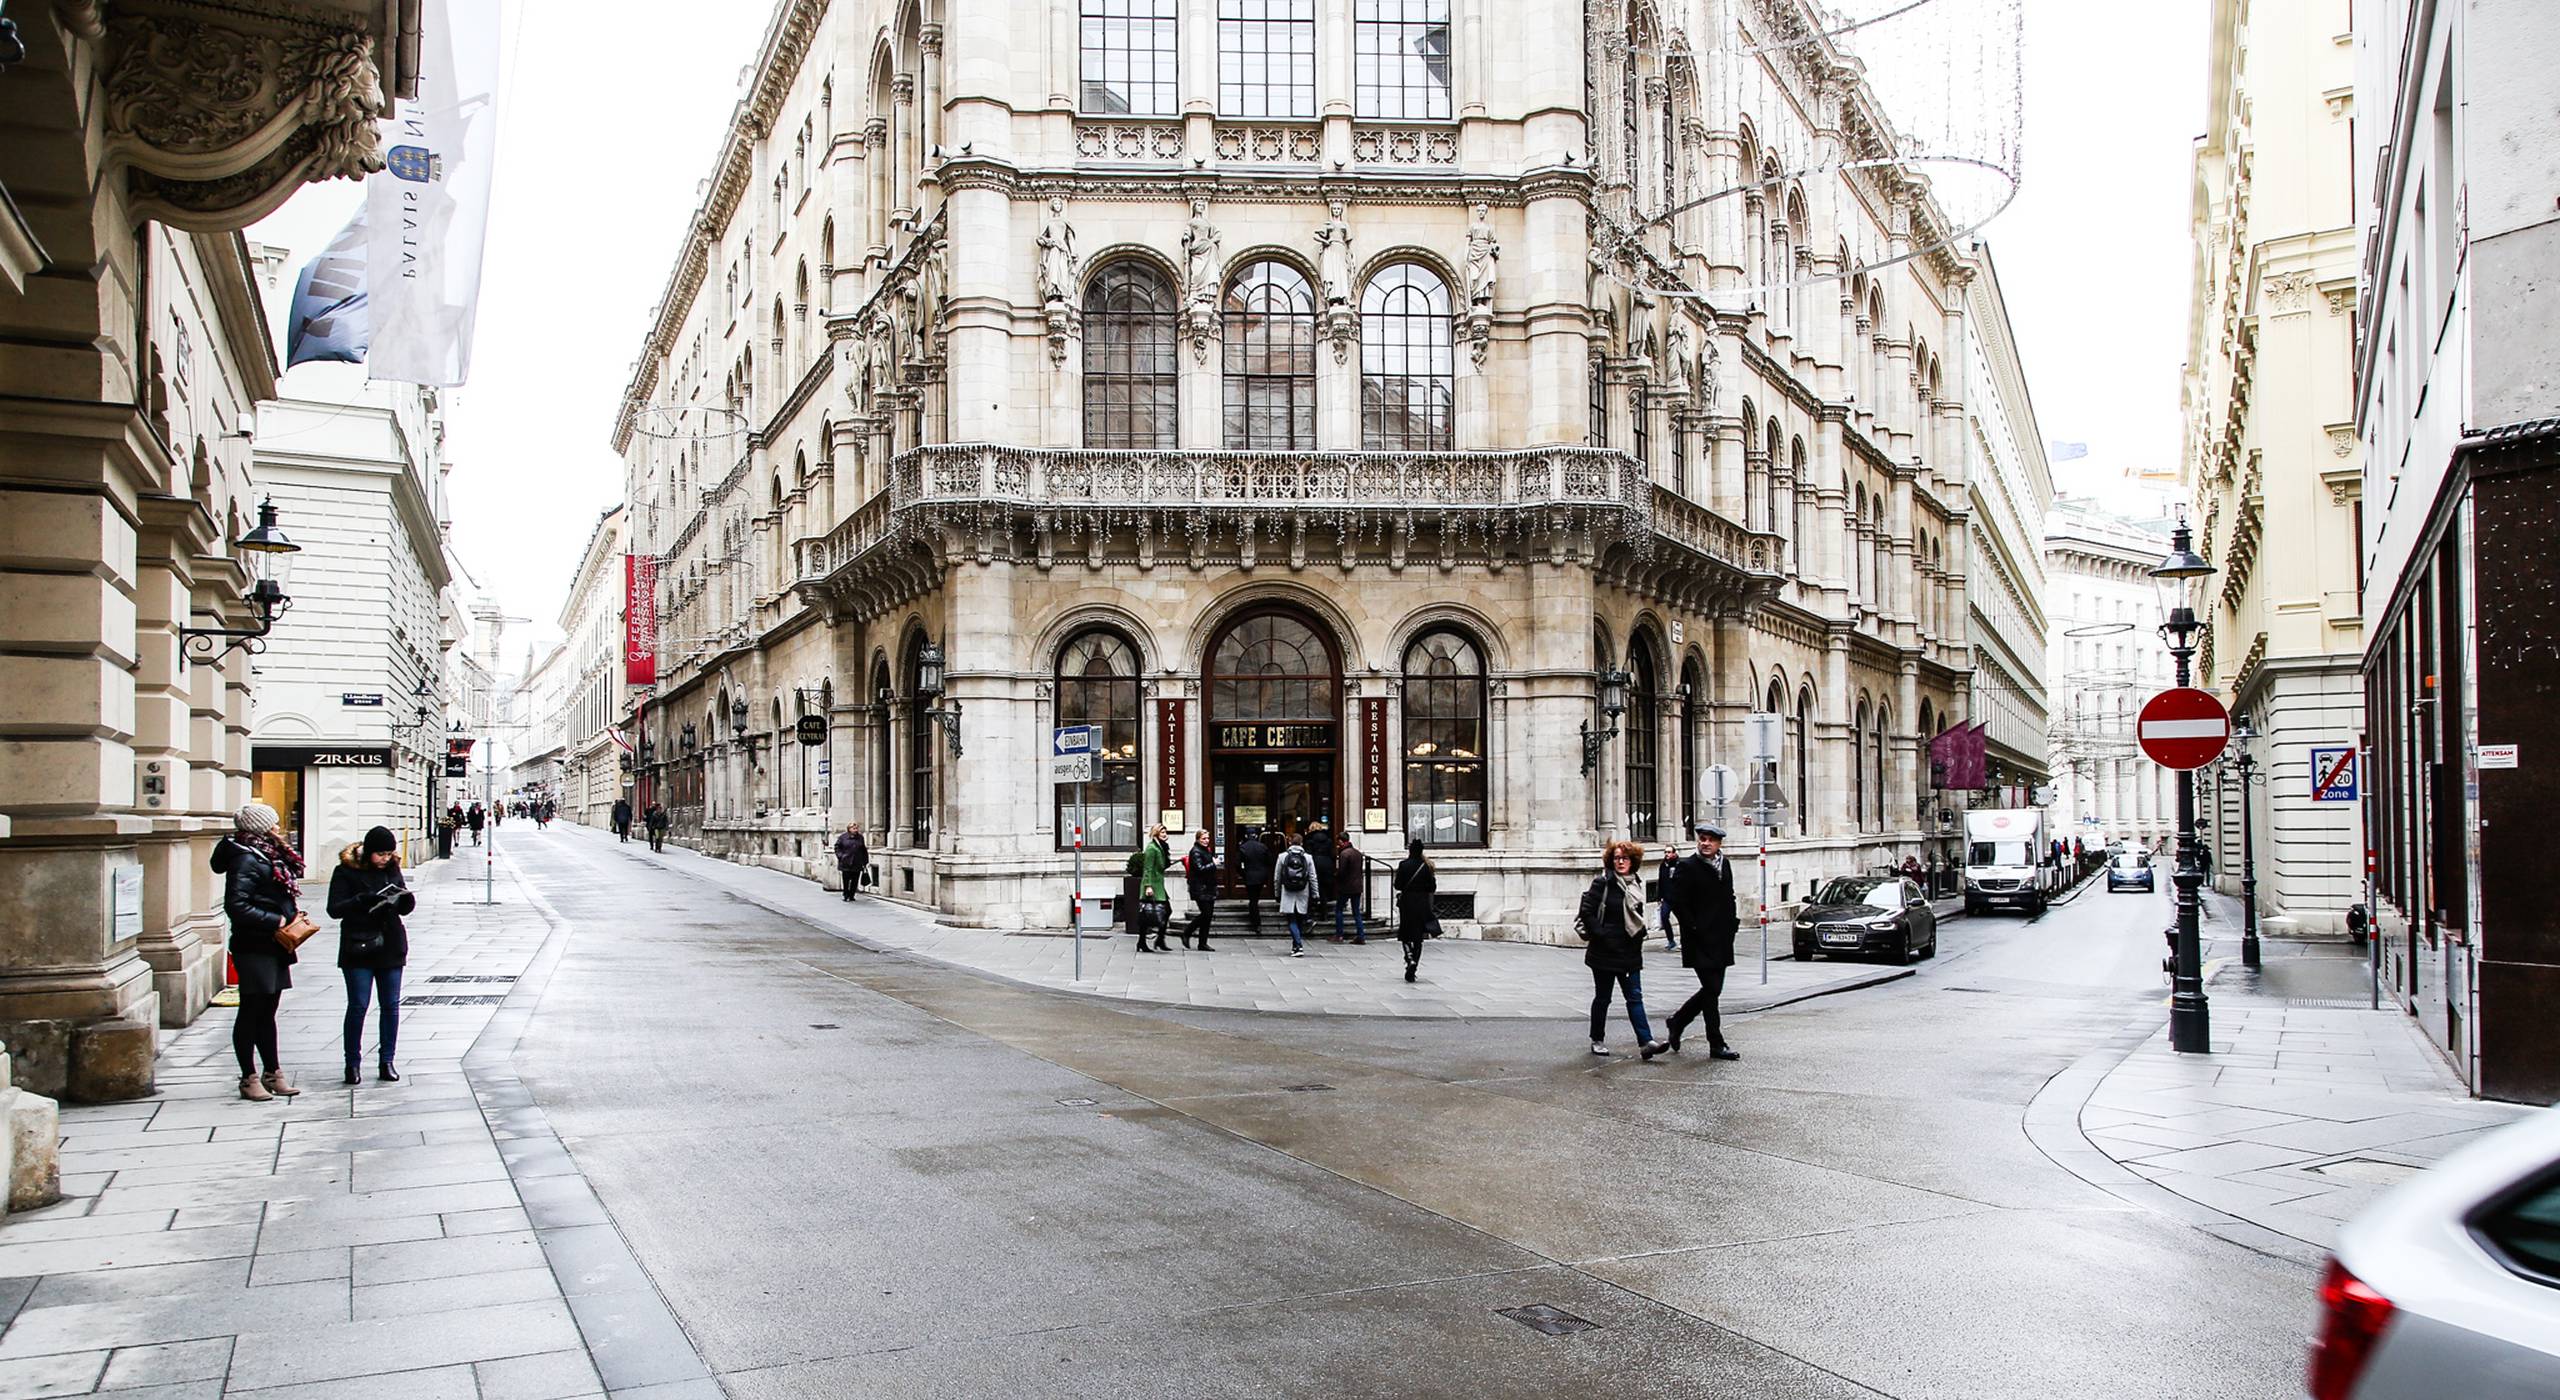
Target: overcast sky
x,y
614,112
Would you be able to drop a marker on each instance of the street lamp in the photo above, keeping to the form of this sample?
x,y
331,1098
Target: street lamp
x,y
270,562
2242,732
929,684
2190,1020
1613,703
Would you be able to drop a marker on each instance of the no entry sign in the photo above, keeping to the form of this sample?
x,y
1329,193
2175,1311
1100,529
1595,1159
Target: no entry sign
x,y
2183,728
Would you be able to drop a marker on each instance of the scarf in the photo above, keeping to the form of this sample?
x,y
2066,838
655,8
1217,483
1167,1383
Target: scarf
x,y
1633,888
284,860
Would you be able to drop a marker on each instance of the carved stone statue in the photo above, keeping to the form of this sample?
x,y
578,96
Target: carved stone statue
x,y
1058,267
1483,258
1675,369
1200,261
1333,258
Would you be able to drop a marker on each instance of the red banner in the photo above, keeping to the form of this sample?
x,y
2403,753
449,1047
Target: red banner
x,y
640,619
1373,764
1169,757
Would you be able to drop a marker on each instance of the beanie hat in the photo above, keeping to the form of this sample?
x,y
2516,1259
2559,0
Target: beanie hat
x,y
256,819
379,841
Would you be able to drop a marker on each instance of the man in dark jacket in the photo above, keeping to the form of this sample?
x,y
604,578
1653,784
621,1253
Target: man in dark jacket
x,y
622,818
1200,878
656,820
1253,866
1319,844
853,859
478,818
1348,872
1697,892
367,897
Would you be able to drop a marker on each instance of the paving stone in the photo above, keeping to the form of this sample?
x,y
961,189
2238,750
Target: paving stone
x,y
432,1383
169,1363
286,1234
485,1222
72,1373
446,1258
124,1251
151,1281
557,1375
392,1345
300,1266
131,1322
83,1227
634,1339
437,1295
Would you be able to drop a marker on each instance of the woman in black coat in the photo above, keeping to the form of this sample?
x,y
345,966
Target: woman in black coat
x,y
261,889
853,859
1417,888
367,898
1612,921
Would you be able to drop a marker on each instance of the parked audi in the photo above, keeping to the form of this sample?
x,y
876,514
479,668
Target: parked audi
x,y
2450,1284
1867,914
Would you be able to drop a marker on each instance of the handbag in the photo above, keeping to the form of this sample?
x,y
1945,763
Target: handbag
x,y
296,931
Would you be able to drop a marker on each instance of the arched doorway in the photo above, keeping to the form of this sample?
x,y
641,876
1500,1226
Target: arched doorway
x,y
1273,716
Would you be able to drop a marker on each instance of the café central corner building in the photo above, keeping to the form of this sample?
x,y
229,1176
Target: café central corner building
x,y
1361,416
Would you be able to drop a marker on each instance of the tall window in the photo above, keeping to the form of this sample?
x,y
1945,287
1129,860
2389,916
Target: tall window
x,y
1444,727
1408,362
1270,350
1128,49
1271,668
1598,433
1097,684
920,731
1267,58
1804,761
1883,795
1640,426
1644,739
880,762
1858,770
1400,59
1129,367
1692,687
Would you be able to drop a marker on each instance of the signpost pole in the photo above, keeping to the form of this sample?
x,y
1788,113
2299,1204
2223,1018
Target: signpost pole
x,y
1076,905
488,801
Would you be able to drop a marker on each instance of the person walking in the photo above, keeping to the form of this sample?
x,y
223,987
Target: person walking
x,y
622,818
1350,869
1200,877
1157,858
261,890
1296,873
368,897
1319,846
853,859
653,818
1612,921
1417,888
478,818
445,823
1698,892
1253,867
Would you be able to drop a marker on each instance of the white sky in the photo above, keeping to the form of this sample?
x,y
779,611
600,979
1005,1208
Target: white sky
x,y
613,113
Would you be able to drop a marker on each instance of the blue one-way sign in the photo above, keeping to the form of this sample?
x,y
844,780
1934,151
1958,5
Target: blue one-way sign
x,y
1069,739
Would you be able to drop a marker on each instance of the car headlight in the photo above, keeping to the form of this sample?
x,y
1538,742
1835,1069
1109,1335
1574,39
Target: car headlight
x,y
1880,923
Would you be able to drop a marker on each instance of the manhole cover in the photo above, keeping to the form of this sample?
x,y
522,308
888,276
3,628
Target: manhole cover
x,y
1077,1103
451,1001
1307,1088
2368,1170
450,977
1547,1318
825,1026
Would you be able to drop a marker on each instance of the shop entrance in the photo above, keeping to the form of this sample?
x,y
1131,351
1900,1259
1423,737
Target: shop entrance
x,y
1273,725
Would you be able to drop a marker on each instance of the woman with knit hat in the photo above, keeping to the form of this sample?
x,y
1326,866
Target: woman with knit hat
x,y
367,898
261,888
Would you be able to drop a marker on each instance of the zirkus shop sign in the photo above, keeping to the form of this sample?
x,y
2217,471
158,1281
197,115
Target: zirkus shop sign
x,y
285,758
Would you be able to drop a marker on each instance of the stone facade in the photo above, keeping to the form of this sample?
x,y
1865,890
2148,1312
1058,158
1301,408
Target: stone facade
x,y
2010,485
2270,444
2108,658
594,770
1330,460
138,140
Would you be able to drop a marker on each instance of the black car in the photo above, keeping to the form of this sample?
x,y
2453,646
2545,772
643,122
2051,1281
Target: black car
x,y
1867,914
2129,870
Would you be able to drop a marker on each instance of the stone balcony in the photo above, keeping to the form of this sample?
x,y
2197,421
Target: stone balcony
x,y
951,502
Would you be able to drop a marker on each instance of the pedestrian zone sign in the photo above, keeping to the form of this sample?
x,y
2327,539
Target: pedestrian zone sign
x,y
2333,774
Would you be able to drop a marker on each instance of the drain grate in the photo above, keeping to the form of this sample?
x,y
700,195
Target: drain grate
x,y
1978,991
452,977
825,1026
442,1000
1077,1103
1306,1088
1549,1319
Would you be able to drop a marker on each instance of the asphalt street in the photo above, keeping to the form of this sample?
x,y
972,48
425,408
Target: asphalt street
x,y
853,1173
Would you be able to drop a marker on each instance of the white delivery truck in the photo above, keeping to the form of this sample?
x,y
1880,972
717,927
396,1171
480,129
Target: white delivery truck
x,y
2004,865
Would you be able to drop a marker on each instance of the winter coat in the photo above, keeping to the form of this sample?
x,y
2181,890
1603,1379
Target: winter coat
x,y
477,818
853,854
1154,861
1319,846
257,905
1602,922
622,814
1701,901
1253,861
1417,888
370,933
1295,901
657,819
1200,872
1347,867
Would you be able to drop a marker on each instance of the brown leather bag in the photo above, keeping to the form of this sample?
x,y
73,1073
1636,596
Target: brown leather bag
x,y
296,931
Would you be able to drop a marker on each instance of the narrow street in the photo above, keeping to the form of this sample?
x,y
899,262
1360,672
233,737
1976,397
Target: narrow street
x,y
850,1172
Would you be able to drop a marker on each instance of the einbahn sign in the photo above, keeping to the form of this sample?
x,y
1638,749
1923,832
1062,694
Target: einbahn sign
x,y
2183,728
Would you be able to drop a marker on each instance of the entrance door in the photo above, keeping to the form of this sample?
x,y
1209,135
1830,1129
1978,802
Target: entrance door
x,y
1273,727
1284,794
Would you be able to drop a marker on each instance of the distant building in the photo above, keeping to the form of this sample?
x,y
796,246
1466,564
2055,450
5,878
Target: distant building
x,y
2107,657
2009,487
590,700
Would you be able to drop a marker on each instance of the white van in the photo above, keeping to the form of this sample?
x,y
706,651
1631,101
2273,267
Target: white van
x,y
2004,852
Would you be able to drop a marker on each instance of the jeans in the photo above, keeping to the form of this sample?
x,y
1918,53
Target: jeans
x,y
1632,985
254,1029
1359,917
1203,908
1297,927
360,984
1702,1008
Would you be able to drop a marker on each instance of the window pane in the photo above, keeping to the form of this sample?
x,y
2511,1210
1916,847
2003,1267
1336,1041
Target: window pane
x,y
1408,362
1400,59
1266,58
1129,343
1128,56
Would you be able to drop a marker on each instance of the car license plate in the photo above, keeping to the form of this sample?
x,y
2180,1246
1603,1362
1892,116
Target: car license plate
x,y
1829,936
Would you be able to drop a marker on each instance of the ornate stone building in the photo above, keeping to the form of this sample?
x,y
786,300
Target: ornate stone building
x,y
2270,442
2010,486
136,139
2106,658
1354,411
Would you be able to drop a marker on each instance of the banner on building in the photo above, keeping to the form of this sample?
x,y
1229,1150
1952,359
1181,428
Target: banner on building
x,y
640,619
1171,809
427,212
330,319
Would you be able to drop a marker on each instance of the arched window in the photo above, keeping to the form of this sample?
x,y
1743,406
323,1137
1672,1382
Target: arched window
x,y
880,763
1097,684
1853,560
1858,770
920,729
1130,372
1929,775
1791,519
1752,465
1693,691
1764,510
1273,667
1884,792
1408,362
1644,739
1444,732
1128,56
1804,760
1270,355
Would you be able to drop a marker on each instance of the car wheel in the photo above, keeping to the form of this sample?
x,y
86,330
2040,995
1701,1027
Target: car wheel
x,y
1902,949
1932,950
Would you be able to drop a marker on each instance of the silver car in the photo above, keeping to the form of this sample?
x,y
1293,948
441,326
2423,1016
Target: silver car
x,y
2450,1284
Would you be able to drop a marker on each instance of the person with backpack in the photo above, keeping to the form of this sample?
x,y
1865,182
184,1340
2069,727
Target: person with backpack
x,y
1417,890
1253,869
1612,920
1200,875
1349,869
1296,873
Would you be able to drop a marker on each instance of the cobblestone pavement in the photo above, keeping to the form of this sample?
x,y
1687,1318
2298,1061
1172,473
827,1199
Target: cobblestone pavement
x,y
1459,977
429,1238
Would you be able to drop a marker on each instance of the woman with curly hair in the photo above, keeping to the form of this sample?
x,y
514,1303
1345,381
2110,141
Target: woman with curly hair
x,y
1612,922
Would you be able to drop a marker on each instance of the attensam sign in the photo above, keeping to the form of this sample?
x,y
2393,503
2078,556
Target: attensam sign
x,y
640,619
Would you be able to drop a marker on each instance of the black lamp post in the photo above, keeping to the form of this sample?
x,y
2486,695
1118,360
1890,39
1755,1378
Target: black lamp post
x,y
2247,766
1613,703
270,560
2190,1020
738,725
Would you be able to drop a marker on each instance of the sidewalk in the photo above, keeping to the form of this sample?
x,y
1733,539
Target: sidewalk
x,y
430,1238
1460,977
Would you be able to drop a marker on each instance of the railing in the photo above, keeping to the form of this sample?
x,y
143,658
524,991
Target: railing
x,y
1694,527
1154,142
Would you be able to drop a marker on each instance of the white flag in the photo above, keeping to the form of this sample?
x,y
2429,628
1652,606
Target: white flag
x,y
428,210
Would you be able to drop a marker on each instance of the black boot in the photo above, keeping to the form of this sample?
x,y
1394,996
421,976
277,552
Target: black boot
x,y
351,1072
388,1075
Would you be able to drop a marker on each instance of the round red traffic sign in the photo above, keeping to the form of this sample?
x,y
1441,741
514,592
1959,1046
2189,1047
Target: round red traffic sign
x,y
2183,728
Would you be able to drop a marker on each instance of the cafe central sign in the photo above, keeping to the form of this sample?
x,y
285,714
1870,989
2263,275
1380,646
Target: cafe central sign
x,y
1275,736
